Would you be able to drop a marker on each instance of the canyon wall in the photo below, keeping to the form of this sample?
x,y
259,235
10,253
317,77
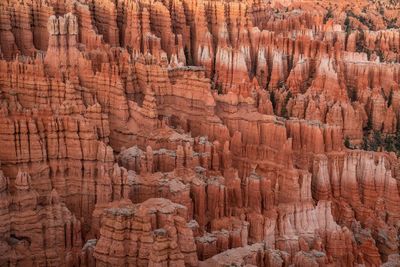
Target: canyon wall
x,y
199,133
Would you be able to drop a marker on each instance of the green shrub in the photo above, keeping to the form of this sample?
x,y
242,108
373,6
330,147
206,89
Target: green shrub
x,y
273,100
390,98
328,15
347,142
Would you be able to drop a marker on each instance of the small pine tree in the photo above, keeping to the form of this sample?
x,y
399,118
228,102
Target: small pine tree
x,y
347,25
328,15
360,42
376,142
390,98
378,138
391,24
284,108
347,142
284,112
288,96
373,146
219,89
380,55
368,54
365,143
369,124
389,143
397,140
352,93
272,98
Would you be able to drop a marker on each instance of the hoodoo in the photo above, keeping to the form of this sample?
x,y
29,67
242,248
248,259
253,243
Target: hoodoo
x,y
199,133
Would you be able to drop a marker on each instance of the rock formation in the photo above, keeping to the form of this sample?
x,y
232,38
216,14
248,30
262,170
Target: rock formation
x,y
199,133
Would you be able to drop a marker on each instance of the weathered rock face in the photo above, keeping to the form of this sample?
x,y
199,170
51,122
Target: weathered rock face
x,y
36,231
152,233
199,133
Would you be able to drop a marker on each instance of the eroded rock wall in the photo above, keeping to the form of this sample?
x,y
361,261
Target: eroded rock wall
x,y
198,133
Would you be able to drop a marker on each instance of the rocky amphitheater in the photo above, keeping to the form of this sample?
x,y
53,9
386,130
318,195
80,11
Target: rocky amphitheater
x,y
199,133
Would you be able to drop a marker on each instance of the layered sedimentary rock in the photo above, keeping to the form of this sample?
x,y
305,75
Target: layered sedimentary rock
x,y
153,233
199,133
36,231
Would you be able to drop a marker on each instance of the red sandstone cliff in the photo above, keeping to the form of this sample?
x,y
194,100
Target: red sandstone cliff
x,y
199,133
